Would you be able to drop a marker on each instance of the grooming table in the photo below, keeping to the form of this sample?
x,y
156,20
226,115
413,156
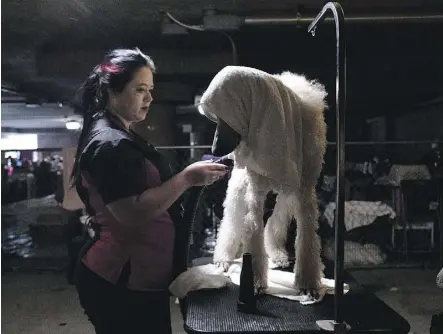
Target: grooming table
x,y
215,311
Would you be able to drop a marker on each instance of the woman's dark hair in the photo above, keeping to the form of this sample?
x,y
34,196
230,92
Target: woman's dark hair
x,y
114,73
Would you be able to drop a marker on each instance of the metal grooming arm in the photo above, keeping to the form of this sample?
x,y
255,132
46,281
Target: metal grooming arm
x,y
337,325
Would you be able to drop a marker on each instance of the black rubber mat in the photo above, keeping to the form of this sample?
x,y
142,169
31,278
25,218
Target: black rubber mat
x,y
215,311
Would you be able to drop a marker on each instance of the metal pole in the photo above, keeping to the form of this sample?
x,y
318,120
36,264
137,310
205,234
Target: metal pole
x,y
181,147
330,143
350,19
337,325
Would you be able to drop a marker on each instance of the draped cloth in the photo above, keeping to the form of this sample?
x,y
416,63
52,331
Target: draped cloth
x,y
268,112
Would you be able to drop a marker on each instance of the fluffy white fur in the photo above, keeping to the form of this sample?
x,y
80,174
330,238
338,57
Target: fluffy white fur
x,y
242,223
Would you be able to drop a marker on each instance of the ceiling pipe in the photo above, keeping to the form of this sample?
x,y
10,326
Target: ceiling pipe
x,y
298,20
13,99
201,28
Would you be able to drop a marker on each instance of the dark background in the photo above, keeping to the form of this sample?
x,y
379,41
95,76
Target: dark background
x,y
393,68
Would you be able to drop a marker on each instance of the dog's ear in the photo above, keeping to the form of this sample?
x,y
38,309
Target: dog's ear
x,y
225,139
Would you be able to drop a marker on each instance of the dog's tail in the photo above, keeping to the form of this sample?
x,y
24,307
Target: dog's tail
x,y
311,92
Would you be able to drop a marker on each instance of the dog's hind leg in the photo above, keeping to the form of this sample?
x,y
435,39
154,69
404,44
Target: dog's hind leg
x,y
253,237
276,230
232,225
308,266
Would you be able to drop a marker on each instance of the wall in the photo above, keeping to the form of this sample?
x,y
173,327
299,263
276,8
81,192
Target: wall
x,y
57,140
159,125
421,125
47,140
159,129
377,128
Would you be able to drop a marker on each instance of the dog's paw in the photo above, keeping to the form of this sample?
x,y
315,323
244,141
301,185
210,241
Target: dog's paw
x,y
223,264
260,287
259,290
312,293
308,285
260,281
280,260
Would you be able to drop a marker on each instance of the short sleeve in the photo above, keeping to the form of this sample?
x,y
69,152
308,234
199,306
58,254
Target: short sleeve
x,y
117,170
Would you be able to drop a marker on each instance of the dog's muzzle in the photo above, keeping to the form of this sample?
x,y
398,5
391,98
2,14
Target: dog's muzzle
x,y
225,139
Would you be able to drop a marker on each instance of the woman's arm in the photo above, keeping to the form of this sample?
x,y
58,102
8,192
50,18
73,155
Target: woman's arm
x,y
135,210
120,175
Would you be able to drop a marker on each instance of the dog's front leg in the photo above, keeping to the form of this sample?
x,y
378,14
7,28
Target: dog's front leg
x,y
276,230
253,241
232,225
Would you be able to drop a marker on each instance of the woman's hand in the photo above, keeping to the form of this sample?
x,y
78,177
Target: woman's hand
x,y
137,210
203,173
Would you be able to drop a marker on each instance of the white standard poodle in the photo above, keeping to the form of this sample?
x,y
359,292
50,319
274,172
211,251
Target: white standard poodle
x,y
282,140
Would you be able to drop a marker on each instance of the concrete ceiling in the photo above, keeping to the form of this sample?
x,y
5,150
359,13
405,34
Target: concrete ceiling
x,y
47,116
49,46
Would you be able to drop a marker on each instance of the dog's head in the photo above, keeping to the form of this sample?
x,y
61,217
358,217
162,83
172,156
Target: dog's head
x,y
223,102
228,101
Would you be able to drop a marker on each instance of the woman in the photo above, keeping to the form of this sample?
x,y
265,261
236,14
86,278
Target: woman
x,y
122,279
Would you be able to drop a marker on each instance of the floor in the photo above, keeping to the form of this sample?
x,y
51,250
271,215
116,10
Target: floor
x,y
411,292
43,303
37,299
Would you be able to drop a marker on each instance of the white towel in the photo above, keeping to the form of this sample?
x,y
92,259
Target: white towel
x,y
359,213
268,111
280,283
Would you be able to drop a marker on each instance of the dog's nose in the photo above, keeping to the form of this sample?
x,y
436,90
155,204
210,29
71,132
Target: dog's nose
x,y
225,139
